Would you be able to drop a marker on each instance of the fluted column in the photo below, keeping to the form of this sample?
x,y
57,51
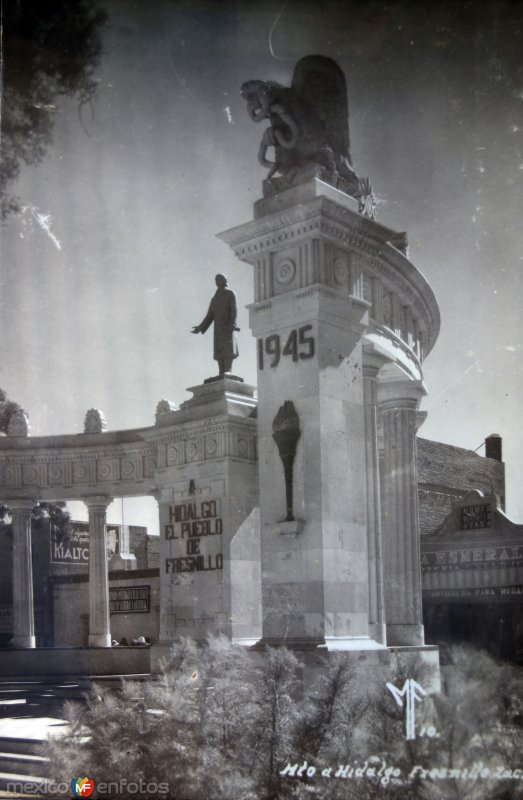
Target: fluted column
x,y
377,627
23,607
402,573
99,628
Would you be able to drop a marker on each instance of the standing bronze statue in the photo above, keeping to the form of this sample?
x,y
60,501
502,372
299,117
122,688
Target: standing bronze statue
x,y
222,311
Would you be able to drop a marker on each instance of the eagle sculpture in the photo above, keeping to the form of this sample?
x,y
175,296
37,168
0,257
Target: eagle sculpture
x,y
309,129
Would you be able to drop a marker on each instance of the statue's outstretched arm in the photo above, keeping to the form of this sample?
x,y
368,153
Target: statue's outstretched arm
x,y
205,323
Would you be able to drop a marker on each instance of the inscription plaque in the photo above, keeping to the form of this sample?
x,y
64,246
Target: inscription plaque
x,y
190,523
130,600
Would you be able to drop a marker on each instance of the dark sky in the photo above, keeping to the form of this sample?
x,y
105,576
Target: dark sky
x,y
98,300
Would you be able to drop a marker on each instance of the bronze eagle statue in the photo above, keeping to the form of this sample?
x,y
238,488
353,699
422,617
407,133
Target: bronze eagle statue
x,y
309,129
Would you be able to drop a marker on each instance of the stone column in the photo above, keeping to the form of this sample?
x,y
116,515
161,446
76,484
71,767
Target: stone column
x,y
23,609
399,403
99,628
377,628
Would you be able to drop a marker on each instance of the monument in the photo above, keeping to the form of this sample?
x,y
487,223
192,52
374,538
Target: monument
x,y
292,519
222,312
342,321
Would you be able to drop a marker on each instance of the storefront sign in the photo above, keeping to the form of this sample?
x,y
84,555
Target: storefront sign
x,y
497,594
72,547
130,600
476,516
471,558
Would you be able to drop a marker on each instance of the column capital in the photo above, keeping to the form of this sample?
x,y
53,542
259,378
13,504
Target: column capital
x,y
97,502
374,358
421,416
21,504
401,394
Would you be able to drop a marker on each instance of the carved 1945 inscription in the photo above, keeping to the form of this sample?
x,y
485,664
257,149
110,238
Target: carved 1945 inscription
x,y
298,346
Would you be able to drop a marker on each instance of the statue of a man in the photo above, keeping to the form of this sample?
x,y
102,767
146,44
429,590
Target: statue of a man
x,y
222,311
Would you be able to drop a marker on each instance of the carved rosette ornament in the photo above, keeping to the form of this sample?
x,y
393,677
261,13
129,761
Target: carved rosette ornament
x,y
286,432
285,271
95,421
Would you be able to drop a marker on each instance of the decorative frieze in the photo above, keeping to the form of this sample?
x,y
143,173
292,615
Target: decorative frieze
x,y
69,471
203,442
87,466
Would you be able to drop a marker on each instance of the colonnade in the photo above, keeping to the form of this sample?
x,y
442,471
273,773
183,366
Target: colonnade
x,y
394,577
23,603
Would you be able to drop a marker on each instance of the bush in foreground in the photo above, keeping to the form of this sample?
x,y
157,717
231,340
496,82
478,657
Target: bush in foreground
x,y
221,723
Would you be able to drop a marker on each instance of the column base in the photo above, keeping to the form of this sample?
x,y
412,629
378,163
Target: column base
x,y
291,643
378,632
328,643
352,643
23,642
99,640
405,635
245,641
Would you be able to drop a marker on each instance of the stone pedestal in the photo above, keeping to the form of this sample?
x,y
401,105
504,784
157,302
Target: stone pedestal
x,y
23,610
328,283
99,626
314,581
207,485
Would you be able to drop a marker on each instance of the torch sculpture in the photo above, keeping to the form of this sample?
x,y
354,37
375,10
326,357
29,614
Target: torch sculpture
x,y
286,432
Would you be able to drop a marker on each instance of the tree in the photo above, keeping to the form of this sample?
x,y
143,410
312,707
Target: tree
x,y
56,513
49,50
7,409
192,729
279,718
221,723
